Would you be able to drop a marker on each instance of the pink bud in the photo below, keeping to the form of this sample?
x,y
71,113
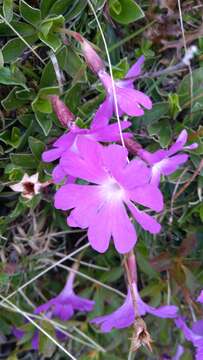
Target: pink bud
x,y
62,112
133,146
92,59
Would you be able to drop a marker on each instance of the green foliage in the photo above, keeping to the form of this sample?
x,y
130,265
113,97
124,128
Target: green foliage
x,y
125,11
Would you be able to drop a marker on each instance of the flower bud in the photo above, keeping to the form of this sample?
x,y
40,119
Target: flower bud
x,y
64,115
92,59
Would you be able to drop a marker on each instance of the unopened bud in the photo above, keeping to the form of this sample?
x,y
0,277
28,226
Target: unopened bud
x,y
92,59
133,146
64,115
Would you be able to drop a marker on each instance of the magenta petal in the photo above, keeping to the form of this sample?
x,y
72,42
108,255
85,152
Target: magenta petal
x,y
152,158
18,333
188,333
130,101
119,319
86,210
135,69
72,195
179,144
87,163
115,158
148,195
111,132
200,297
168,311
172,164
191,147
81,304
179,353
197,327
35,340
51,155
63,311
146,221
58,174
45,307
136,173
123,231
99,232
65,141
182,138
103,114
127,102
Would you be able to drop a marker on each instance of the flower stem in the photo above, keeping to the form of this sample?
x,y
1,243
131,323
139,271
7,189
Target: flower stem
x,y
140,334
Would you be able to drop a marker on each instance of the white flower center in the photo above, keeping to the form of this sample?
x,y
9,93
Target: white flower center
x,y
112,191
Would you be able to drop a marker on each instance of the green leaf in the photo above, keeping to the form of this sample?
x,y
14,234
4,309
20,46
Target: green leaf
x,y
15,47
30,14
21,27
7,77
13,101
26,161
44,121
46,346
49,32
45,6
1,59
125,11
60,7
42,103
8,9
185,85
116,6
174,105
36,146
77,7
163,131
68,61
158,111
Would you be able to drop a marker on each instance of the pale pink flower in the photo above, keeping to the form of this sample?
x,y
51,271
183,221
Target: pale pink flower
x,y
29,186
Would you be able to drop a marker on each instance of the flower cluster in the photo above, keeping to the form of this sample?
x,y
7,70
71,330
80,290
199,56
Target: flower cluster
x,y
104,192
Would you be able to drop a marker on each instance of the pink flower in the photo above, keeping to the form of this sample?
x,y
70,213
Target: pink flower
x,y
165,162
29,186
102,207
130,101
98,132
124,316
62,306
66,303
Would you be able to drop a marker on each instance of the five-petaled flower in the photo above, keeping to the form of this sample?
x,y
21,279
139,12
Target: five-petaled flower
x,y
29,186
130,101
102,207
124,316
63,306
165,162
66,303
